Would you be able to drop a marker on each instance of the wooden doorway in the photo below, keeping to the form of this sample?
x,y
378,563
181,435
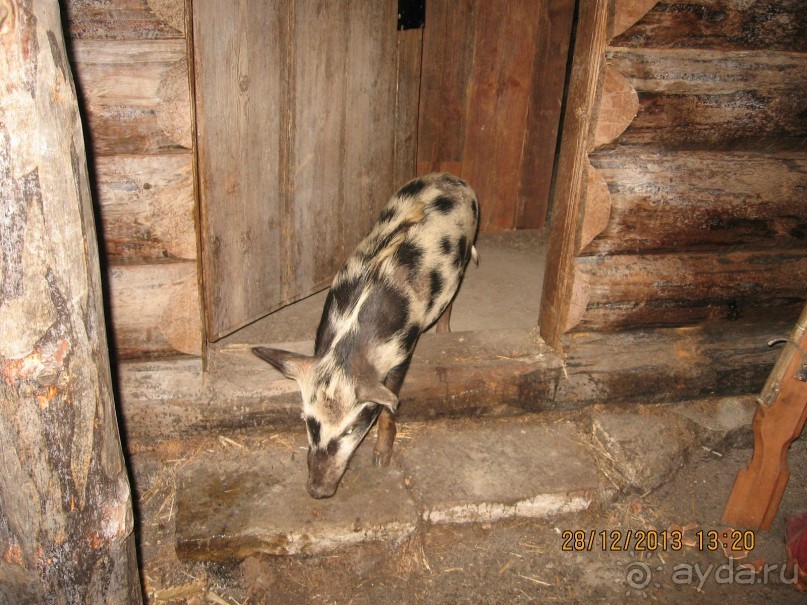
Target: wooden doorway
x,y
310,113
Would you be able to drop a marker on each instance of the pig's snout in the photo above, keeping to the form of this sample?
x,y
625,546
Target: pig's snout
x,y
324,473
318,491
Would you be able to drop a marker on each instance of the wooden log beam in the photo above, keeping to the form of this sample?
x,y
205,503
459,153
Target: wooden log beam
x,y
125,19
701,201
628,291
155,309
135,95
451,374
146,207
66,521
721,25
779,420
716,100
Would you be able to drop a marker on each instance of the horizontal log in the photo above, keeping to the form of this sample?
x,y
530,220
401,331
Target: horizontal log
x,y
124,19
631,291
668,364
697,99
155,310
721,25
135,95
698,201
461,374
147,207
451,374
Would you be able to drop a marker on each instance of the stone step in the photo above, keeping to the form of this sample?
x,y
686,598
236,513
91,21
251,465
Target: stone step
x,y
443,472
232,504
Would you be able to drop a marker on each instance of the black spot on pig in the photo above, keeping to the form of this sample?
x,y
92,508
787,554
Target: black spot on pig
x,y
412,188
436,283
387,214
325,331
462,252
444,204
445,245
475,209
344,293
386,310
314,428
409,255
411,337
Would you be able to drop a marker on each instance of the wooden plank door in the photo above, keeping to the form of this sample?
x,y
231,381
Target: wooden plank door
x,y
305,114
493,84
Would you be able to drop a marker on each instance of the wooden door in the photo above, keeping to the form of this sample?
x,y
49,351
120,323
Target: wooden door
x,y
490,105
306,114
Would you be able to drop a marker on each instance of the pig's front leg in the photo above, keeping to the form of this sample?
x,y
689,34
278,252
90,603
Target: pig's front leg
x,y
382,452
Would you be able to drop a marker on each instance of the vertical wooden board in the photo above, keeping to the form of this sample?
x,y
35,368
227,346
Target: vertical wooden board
x,y
239,59
448,54
499,98
543,122
568,197
125,19
409,46
316,217
370,126
147,207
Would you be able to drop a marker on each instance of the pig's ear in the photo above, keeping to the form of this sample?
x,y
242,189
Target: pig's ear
x,y
377,393
292,365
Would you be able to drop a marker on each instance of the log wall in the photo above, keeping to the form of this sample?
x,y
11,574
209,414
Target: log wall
x,y
691,199
130,59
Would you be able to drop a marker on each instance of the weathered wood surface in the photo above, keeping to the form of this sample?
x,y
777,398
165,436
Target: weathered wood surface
x,y
451,374
155,309
408,62
240,147
298,149
572,171
667,364
147,207
446,70
543,121
619,104
704,99
721,25
492,86
481,373
66,522
499,98
637,290
125,19
135,95
699,201
626,13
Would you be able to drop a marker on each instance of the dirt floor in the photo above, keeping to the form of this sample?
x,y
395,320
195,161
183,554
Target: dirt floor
x,y
516,561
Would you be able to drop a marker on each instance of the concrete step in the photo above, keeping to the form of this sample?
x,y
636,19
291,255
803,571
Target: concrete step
x,y
442,472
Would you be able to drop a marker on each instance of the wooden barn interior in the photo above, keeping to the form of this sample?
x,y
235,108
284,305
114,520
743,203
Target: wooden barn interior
x,y
641,167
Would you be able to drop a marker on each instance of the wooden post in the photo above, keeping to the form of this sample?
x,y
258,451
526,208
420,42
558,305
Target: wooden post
x,y
780,417
65,505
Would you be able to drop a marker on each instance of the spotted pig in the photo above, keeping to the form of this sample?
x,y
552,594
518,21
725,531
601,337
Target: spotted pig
x,y
397,283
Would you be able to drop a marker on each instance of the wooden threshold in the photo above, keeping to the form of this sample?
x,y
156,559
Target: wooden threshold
x,y
462,373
